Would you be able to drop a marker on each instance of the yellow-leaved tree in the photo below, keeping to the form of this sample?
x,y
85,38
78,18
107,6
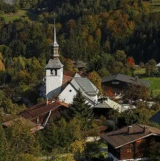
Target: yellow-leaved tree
x,y
2,66
96,80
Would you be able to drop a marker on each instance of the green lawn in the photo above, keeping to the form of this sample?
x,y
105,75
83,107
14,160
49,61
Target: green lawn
x,y
154,84
139,71
13,16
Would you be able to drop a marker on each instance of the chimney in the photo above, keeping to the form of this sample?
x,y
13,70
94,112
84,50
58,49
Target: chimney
x,y
130,129
145,129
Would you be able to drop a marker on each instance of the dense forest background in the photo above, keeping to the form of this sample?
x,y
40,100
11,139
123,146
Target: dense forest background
x,y
109,35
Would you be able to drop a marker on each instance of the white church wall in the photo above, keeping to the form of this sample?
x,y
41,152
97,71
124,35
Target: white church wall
x,y
53,83
67,94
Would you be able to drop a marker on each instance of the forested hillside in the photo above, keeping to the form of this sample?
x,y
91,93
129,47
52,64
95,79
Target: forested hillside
x,y
104,34
95,28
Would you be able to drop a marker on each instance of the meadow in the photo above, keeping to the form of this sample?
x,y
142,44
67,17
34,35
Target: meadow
x,y
154,82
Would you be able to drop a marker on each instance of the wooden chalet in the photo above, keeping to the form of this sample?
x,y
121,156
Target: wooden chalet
x,y
39,115
131,142
118,83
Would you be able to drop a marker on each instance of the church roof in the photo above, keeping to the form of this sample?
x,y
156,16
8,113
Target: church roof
x,y
86,85
54,63
73,73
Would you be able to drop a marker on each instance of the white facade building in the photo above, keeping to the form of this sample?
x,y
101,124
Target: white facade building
x,y
54,71
54,87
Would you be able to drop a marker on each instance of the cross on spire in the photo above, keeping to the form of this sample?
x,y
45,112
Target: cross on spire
x,y
55,39
54,45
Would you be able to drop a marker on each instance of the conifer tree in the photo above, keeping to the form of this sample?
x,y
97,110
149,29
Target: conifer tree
x,y
82,111
3,145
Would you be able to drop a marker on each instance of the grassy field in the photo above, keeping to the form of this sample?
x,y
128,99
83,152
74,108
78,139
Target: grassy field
x,y
154,84
13,16
139,71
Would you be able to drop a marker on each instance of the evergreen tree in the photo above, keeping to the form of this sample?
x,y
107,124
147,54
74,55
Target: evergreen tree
x,y
82,111
3,145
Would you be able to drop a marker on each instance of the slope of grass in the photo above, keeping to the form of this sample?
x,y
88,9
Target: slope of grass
x,y
154,84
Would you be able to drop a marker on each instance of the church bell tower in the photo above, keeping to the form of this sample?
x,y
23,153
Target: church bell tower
x,y
54,71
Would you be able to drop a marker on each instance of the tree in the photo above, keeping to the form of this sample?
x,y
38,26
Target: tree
x,y
151,67
59,136
78,147
82,111
96,80
68,64
135,92
120,56
4,151
21,139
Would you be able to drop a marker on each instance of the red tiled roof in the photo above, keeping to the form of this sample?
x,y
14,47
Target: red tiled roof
x,y
72,73
41,109
34,127
121,137
66,79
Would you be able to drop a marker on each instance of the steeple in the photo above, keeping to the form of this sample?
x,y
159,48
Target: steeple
x,y
54,71
54,45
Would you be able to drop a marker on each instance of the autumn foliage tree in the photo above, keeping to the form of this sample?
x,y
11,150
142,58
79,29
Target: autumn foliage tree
x,y
120,25
96,80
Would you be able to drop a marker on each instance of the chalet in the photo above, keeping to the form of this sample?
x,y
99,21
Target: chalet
x,y
155,118
118,83
131,142
105,106
158,67
39,115
80,65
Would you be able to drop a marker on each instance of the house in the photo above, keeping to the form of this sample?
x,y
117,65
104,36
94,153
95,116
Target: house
x,y
158,66
104,107
118,83
43,112
39,115
155,118
80,65
64,87
33,126
131,142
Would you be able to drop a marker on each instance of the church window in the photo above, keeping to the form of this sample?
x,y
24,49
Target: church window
x,y
55,71
70,90
51,71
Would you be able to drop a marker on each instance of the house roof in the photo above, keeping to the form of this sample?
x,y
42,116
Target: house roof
x,y
72,73
158,65
86,85
79,64
54,63
66,79
156,118
124,78
121,137
101,105
34,127
41,109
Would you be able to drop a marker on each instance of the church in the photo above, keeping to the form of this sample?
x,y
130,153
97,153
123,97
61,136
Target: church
x,y
59,85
